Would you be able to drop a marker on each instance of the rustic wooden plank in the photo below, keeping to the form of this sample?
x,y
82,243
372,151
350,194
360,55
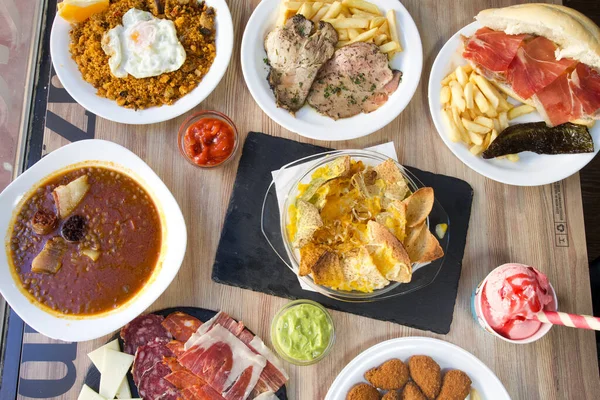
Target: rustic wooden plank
x,y
507,224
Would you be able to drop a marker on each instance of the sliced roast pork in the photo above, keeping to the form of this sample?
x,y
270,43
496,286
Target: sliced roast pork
x,y
356,79
295,53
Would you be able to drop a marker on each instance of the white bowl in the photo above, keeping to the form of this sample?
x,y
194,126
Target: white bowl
x,y
85,94
532,169
308,122
78,328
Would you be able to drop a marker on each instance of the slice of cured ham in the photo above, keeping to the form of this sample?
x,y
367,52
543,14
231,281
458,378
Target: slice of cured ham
x,y
585,84
493,50
222,319
557,103
273,376
203,392
221,359
535,67
181,325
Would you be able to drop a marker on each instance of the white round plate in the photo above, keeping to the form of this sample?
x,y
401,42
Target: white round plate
x,y
85,94
308,122
531,169
447,355
78,329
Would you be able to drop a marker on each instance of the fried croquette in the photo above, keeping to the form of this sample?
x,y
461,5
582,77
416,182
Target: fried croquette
x,y
391,375
391,395
455,386
426,374
412,392
363,391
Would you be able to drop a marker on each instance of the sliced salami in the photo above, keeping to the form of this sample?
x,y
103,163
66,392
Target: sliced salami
x,y
153,386
181,325
142,330
148,355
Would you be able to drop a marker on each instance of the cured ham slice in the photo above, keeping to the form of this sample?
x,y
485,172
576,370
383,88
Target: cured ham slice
x,y
183,378
220,358
585,84
493,50
181,325
273,376
557,103
203,392
222,319
535,67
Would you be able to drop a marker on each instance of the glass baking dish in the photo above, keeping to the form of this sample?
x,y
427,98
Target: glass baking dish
x,y
275,218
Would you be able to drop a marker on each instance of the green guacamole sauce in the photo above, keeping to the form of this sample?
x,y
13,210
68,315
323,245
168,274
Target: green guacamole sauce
x,y
303,332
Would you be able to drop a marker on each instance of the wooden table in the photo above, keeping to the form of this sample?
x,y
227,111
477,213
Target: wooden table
x,y
540,226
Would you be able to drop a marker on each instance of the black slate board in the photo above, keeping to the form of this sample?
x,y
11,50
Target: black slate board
x,y
92,378
244,258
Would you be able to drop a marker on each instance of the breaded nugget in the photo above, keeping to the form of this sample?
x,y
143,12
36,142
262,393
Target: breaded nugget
x,y
363,391
412,392
455,386
391,395
391,375
426,374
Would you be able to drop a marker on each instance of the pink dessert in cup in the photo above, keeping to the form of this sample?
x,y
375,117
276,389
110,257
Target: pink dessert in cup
x,y
511,294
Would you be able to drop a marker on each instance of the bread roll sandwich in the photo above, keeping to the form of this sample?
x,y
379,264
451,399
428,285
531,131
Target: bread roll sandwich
x,y
544,55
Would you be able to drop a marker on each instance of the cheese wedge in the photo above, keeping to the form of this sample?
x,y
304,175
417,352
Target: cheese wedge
x,y
88,394
97,357
115,367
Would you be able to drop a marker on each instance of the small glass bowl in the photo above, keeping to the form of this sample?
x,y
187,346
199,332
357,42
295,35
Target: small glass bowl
x,y
280,351
197,117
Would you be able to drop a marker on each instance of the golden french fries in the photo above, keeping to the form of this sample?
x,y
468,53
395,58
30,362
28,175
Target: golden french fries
x,y
474,110
518,111
354,21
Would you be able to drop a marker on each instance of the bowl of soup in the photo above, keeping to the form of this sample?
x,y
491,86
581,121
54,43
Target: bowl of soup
x,y
92,238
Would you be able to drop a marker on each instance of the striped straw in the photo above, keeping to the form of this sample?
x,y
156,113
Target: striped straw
x,y
572,320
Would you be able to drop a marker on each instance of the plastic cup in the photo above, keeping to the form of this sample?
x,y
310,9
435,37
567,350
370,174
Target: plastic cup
x,y
478,315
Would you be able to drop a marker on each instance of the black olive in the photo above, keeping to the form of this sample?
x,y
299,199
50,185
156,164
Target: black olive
x,y
74,228
205,31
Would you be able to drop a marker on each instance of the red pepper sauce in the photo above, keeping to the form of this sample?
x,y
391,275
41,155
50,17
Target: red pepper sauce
x,y
209,141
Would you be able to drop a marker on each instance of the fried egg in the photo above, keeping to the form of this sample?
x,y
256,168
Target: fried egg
x,y
143,46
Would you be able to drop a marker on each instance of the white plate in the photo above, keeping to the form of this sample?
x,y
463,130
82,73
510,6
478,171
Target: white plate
x,y
85,94
174,239
308,122
532,169
447,355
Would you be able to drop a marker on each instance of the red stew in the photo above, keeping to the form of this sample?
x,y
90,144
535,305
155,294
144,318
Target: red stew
x,y
108,264
209,141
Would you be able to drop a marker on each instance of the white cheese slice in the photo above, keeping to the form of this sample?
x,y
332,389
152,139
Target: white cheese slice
x,y
124,392
97,356
88,394
115,367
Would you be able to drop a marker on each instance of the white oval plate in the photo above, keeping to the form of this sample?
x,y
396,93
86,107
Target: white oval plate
x,y
174,241
447,355
531,169
308,122
85,94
